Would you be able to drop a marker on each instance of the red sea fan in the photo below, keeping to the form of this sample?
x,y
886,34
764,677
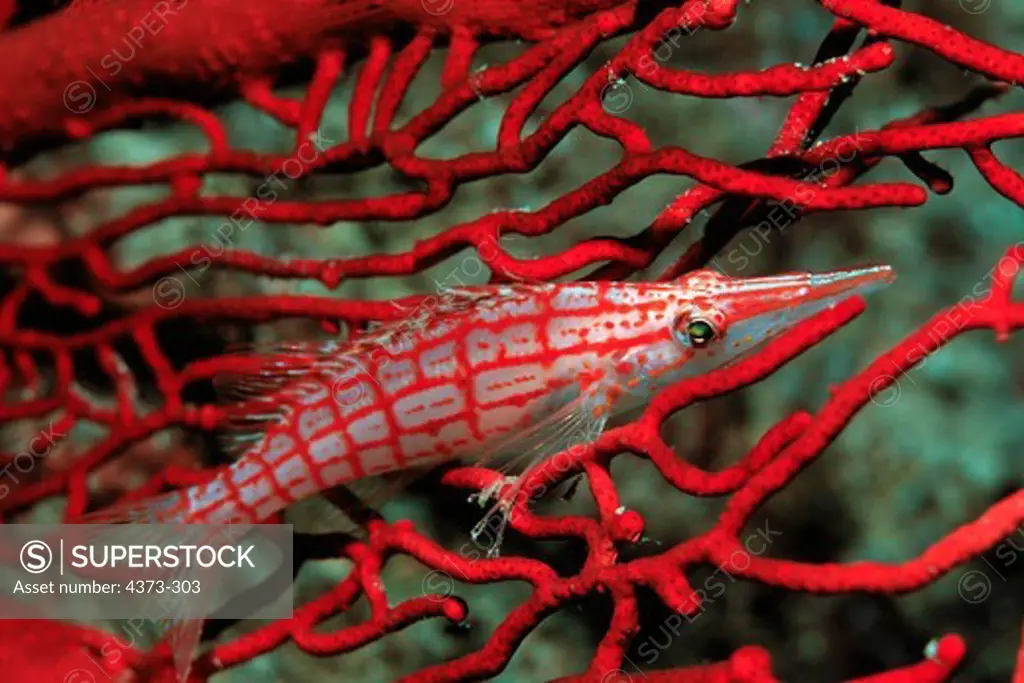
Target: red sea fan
x,y
85,339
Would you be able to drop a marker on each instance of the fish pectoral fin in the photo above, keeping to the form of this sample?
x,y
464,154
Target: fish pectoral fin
x,y
577,423
495,521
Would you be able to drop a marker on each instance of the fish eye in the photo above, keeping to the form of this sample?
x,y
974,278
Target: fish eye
x,y
700,333
699,328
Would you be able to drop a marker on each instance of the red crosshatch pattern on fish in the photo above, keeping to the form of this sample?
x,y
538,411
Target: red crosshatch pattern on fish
x,y
483,368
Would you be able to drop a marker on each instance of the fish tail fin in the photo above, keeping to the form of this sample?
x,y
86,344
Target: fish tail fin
x,y
178,628
175,642
180,632
183,629
183,637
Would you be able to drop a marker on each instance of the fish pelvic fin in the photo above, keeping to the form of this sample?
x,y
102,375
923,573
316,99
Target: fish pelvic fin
x,y
347,508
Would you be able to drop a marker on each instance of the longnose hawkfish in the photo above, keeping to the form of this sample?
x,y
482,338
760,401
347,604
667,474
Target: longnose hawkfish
x,y
522,369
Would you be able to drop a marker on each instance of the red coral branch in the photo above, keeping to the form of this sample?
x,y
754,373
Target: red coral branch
x,y
82,88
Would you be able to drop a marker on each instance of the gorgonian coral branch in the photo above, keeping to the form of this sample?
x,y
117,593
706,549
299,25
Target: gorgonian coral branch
x,y
383,48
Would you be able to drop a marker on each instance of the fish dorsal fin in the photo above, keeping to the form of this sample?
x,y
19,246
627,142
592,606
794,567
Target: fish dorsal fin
x,y
266,372
268,366
454,300
256,392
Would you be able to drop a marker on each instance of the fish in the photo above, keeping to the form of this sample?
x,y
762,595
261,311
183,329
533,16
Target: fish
x,y
482,370
507,374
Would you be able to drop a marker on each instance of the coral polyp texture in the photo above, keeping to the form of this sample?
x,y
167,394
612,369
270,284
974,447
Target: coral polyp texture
x,y
120,301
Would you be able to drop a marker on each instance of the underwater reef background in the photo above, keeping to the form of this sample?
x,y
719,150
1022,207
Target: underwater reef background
x,y
933,450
